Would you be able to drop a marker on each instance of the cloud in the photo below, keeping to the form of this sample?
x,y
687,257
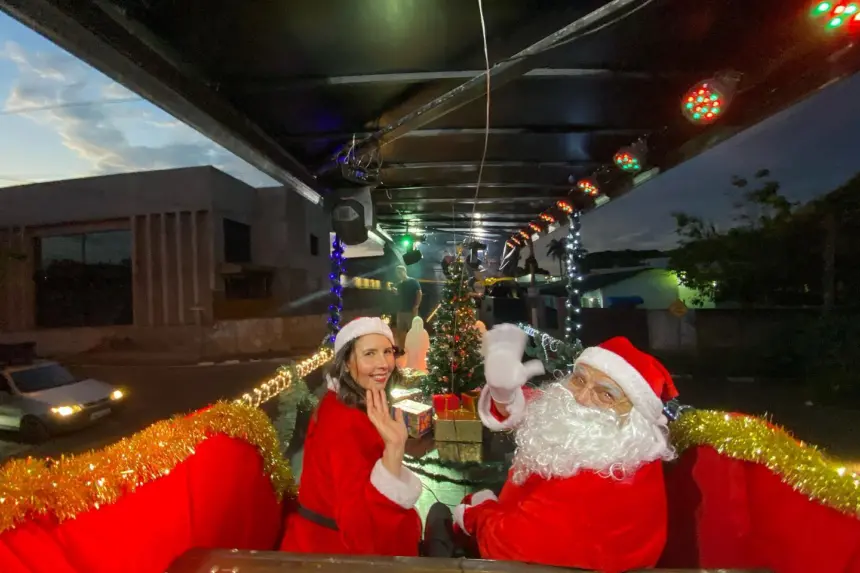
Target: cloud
x,y
105,124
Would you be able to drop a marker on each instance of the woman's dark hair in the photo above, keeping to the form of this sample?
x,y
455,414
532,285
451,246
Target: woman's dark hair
x,y
348,390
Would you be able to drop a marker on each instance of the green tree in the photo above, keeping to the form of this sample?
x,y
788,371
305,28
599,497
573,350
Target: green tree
x,y
764,258
556,249
454,361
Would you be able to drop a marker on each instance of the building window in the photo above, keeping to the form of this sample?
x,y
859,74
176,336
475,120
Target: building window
x,y
248,286
315,246
237,242
84,279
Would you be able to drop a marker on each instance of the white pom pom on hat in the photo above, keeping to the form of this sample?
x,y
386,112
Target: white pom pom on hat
x,y
362,327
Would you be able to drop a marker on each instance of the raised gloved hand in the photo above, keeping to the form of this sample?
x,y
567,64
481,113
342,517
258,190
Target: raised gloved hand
x,y
503,348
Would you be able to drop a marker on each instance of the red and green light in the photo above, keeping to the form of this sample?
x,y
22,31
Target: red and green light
x,y
703,103
838,15
587,186
628,161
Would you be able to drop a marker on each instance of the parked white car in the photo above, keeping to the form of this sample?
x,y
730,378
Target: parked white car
x,y
43,398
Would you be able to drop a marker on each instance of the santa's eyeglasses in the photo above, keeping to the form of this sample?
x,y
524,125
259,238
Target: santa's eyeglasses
x,y
602,389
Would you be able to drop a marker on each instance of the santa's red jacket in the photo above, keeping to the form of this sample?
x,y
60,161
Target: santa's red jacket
x,y
343,481
585,521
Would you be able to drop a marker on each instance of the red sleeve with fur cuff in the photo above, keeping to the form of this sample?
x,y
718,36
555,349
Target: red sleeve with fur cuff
x,y
374,509
595,523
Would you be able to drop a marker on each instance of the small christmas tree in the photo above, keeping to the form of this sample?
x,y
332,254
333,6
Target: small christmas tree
x,y
454,361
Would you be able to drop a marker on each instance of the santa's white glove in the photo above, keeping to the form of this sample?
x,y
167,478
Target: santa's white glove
x,y
459,512
503,348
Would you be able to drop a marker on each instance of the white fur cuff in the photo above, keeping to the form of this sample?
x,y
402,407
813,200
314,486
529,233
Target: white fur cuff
x,y
404,490
516,411
459,514
482,496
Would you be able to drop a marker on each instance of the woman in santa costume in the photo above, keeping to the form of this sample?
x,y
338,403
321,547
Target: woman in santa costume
x,y
586,487
356,497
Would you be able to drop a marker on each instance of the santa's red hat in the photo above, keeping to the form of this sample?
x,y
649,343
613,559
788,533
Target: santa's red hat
x,y
643,378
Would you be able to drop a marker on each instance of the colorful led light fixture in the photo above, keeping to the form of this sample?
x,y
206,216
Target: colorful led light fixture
x,y
837,15
707,101
588,186
627,162
564,207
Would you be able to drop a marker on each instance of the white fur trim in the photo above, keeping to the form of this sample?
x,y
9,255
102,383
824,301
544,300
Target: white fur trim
x,y
459,515
631,381
404,491
482,496
362,327
516,411
331,383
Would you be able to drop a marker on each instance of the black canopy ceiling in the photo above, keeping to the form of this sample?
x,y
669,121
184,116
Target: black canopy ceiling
x,y
289,84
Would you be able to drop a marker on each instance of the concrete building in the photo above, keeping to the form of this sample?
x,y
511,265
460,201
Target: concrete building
x,y
153,249
644,288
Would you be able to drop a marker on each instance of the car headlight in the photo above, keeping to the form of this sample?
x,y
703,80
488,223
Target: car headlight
x,y
66,411
117,394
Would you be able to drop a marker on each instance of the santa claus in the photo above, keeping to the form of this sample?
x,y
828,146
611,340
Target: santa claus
x,y
586,487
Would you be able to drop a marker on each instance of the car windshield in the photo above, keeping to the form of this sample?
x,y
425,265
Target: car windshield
x,y
42,378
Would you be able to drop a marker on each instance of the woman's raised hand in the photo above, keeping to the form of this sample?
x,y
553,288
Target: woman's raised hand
x,y
392,430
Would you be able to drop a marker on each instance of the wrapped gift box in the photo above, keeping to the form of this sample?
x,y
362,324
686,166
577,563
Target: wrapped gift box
x,y
459,452
445,402
400,394
458,426
418,417
469,400
411,378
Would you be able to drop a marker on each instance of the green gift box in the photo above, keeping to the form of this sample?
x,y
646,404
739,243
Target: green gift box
x,y
459,452
459,426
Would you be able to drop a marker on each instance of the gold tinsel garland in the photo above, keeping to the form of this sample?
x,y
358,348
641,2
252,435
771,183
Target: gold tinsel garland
x,y
72,485
750,439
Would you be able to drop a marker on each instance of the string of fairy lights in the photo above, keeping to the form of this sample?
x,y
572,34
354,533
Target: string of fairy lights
x,y
335,307
285,378
573,304
702,104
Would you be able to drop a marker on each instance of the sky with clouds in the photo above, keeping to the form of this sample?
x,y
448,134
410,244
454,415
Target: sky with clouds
x,y
50,128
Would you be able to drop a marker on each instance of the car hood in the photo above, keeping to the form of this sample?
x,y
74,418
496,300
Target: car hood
x,y
81,392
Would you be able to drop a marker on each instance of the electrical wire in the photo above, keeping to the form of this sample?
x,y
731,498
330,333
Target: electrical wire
x,y
585,34
480,166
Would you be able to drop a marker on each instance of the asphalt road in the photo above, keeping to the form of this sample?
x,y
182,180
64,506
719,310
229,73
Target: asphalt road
x,y
154,393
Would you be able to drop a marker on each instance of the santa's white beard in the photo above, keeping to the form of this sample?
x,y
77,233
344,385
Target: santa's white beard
x,y
559,437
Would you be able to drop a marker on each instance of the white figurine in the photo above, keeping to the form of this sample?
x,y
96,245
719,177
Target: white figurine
x,y
416,346
481,327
